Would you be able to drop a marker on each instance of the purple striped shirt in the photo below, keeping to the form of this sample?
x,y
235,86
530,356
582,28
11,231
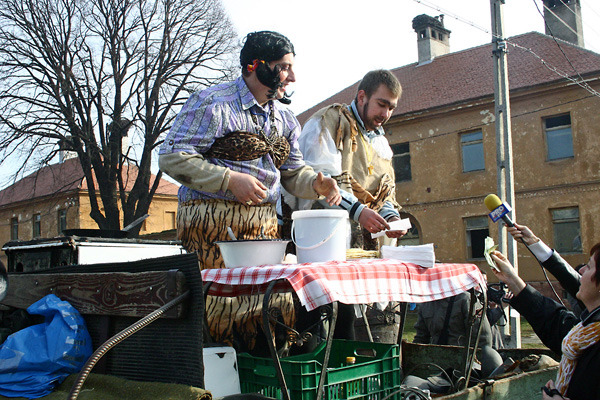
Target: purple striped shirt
x,y
213,113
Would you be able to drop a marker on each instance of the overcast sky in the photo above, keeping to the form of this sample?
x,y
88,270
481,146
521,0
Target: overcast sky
x,y
337,41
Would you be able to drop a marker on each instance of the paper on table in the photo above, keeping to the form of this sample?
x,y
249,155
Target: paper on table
x,y
422,255
398,225
489,247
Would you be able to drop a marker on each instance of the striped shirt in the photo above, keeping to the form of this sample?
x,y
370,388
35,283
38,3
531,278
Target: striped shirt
x,y
213,113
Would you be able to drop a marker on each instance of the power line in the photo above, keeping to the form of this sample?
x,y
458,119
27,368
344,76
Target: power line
x,y
557,17
454,16
580,82
513,116
588,8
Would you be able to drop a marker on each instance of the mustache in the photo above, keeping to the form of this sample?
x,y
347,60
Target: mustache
x,y
286,98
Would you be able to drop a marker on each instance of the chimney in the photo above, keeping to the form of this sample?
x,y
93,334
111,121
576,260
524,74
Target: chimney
x,y
65,149
433,39
563,20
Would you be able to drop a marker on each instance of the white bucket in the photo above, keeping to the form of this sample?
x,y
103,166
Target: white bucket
x,y
320,235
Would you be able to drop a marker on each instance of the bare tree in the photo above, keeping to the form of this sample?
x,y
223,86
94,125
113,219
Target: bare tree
x,y
88,73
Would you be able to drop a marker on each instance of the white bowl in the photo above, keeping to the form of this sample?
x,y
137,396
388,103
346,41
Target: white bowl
x,y
252,253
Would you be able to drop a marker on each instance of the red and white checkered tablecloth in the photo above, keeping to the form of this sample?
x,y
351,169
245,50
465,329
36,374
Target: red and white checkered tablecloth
x,y
351,282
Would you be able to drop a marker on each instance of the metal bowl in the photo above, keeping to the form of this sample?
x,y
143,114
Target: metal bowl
x,y
252,253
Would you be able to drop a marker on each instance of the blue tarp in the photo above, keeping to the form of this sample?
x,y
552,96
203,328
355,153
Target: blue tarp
x,y
35,359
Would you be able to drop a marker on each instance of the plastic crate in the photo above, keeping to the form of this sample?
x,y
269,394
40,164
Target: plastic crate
x,y
375,375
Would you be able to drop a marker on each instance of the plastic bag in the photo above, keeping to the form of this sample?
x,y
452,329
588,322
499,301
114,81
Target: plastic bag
x,y
35,359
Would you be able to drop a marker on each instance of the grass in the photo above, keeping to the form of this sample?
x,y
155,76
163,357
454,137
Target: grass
x,y
529,339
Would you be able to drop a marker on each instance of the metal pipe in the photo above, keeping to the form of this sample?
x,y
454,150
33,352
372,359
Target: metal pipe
x,y
118,338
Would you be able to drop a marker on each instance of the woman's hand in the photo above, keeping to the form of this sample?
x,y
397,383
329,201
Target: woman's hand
x,y
506,273
549,392
524,233
327,187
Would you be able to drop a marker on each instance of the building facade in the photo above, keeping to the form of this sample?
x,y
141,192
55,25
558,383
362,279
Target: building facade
x,y
443,136
55,198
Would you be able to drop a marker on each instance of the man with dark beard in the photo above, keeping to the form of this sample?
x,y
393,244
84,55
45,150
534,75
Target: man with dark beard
x,y
347,143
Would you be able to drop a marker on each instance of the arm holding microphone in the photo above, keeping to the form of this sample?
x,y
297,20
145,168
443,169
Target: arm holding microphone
x,y
548,258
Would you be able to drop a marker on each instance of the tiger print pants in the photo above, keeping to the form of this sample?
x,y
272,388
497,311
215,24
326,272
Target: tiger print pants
x,y
234,321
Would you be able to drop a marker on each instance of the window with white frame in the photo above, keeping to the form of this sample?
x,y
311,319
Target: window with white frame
x,y
472,151
559,138
567,231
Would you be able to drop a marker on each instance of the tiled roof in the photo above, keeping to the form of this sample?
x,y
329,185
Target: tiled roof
x,y
61,178
468,75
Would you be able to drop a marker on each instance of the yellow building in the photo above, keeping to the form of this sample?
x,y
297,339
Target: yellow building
x,y
444,142
55,198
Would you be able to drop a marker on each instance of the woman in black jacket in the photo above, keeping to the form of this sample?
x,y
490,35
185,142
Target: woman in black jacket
x,y
577,340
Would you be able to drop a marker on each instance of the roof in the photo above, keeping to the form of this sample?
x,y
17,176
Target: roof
x,y
467,75
63,178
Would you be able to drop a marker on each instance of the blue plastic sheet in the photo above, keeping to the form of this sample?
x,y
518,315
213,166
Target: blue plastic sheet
x,y
35,359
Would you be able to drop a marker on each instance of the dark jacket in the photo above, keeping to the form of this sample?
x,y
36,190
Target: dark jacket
x,y
431,317
564,273
551,322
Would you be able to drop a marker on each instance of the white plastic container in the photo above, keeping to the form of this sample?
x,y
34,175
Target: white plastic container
x,y
320,235
252,253
221,375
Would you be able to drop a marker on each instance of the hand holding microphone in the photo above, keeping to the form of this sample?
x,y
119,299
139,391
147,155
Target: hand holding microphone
x,y
498,209
523,233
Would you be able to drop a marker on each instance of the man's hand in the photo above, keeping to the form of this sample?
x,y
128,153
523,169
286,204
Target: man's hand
x,y
327,187
522,232
372,221
246,188
395,234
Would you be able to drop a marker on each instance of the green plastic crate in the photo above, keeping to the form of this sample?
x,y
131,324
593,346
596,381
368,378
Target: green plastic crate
x,y
375,375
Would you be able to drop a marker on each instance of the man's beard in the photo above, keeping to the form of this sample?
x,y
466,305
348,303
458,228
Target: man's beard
x,y
369,122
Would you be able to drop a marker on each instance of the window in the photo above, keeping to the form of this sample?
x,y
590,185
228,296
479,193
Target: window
x,y
477,229
14,228
62,221
411,238
401,162
567,233
472,151
170,220
37,225
559,140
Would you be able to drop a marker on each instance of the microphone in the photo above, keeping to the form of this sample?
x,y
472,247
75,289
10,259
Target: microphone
x,y
498,209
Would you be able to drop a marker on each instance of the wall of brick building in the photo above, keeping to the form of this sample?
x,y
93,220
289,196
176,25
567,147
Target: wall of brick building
x,y
440,196
161,216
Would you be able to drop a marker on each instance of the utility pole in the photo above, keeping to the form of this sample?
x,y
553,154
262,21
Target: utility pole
x,y
504,159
